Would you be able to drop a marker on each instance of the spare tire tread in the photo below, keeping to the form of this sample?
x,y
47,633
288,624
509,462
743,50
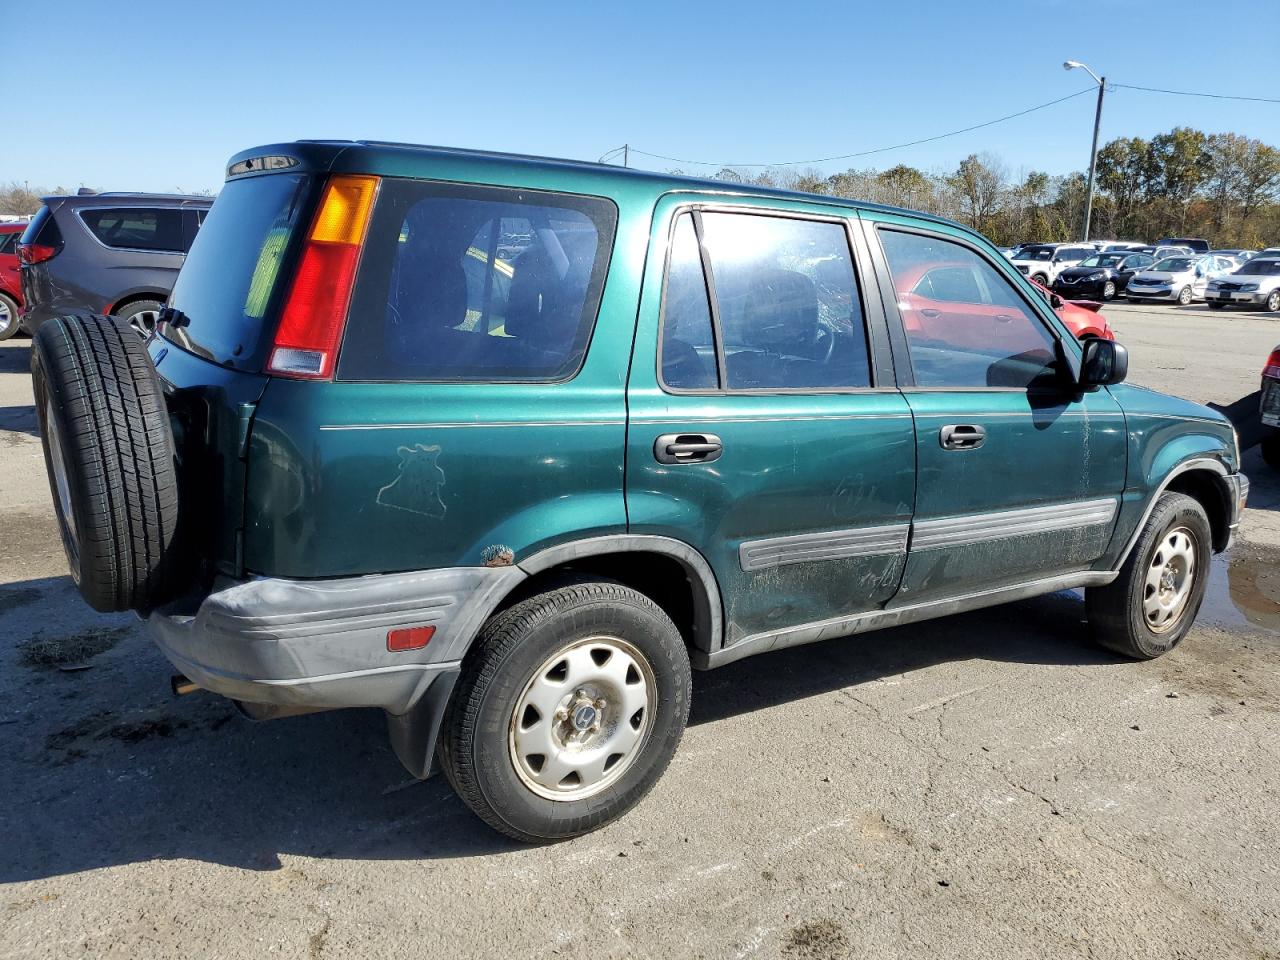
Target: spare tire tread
x,y
117,441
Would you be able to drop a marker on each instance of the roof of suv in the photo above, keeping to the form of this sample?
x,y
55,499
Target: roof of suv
x,y
115,198
321,155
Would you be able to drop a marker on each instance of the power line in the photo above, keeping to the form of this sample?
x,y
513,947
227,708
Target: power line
x,y
1189,93
867,153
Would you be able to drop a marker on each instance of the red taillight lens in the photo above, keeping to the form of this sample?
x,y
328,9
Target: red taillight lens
x,y
409,638
310,331
1272,369
35,252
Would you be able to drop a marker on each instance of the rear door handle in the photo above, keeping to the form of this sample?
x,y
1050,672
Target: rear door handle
x,y
962,436
687,448
1004,318
929,312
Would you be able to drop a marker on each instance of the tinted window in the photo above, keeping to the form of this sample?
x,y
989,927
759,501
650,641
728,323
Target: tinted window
x,y
688,345
136,228
230,274
43,228
476,283
989,338
7,242
1258,267
1073,253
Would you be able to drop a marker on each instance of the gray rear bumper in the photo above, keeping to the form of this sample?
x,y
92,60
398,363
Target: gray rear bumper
x,y
323,643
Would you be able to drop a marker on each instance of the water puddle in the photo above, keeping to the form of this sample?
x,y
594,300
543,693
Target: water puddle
x,y
1244,589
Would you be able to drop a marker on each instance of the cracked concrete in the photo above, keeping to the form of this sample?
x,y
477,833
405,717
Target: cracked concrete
x,y
969,788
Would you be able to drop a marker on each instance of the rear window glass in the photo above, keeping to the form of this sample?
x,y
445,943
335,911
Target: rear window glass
x,y
136,228
42,229
229,277
476,283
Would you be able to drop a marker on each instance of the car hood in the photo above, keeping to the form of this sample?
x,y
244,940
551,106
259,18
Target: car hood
x,y
1163,275
1265,281
1087,271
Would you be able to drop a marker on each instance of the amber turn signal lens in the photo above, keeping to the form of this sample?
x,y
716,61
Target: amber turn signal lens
x,y
344,210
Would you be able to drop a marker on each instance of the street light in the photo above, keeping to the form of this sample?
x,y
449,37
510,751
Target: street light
x,y
1097,122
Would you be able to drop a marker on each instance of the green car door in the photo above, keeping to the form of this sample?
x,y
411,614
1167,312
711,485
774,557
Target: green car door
x,y
769,434
1019,472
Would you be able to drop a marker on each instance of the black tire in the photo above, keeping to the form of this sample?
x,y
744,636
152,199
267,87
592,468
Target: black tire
x,y
108,450
141,316
1116,617
474,747
1270,448
1185,296
1273,302
1109,290
10,324
1042,279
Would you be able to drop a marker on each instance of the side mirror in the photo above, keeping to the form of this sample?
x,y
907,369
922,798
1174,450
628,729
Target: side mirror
x,y
1055,301
1104,363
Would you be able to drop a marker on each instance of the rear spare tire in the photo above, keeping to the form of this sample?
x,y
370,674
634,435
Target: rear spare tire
x,y
108,449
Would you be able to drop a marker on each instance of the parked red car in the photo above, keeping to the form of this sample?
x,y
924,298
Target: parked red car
x,y
10,285
1082,317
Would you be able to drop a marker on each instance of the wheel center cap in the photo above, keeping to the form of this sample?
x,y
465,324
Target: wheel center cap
x,y
584,716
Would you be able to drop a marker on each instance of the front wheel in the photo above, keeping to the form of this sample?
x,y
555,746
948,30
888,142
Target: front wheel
x,y
1151,605
1108,291
1273,301
1184,296
569,708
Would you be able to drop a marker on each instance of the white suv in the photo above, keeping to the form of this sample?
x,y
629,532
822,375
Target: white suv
x,y
1044,261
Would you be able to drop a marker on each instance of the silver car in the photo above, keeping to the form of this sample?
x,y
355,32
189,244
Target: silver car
x,y
1181,279
1257,283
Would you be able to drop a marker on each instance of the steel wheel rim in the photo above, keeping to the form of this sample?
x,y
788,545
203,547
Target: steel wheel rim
x,y
582,719
7,318
144,323
1171,574
70,536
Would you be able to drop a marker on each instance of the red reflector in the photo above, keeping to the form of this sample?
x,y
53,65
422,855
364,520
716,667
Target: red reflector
x,y
1272,369
35,252
409,638
307,341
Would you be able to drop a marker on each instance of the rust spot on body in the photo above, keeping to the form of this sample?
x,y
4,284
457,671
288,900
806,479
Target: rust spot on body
x,y
497,555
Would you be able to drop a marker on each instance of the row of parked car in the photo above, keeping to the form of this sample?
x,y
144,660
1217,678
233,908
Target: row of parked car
x,y
1181,270
110,253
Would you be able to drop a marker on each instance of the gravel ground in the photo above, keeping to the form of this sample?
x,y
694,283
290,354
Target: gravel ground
x,y
985,786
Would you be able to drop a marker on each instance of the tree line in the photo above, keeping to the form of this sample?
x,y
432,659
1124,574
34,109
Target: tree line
x,y
1221,186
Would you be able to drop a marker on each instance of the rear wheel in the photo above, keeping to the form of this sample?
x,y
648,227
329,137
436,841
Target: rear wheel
x,y
9,322
143,316
109,454
569,707
1184,296
1152,604
1270,448
1042,279
1108,291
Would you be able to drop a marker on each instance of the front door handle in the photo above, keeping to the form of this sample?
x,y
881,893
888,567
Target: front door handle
x,y
687,448
929,312
962,436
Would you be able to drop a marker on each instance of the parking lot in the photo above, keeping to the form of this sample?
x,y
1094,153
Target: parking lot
x,y
990,785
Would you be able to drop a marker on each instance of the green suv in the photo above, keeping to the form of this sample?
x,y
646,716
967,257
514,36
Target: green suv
x,y
504,446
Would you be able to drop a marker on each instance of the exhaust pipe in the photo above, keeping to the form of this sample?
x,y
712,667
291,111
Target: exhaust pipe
x,y
181,686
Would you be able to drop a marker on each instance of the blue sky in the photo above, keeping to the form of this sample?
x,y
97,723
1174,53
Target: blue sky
x,y
156,95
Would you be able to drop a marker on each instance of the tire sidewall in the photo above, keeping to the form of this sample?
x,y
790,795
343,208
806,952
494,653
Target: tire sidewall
x,y
15,321
1177,511
539,818
51,398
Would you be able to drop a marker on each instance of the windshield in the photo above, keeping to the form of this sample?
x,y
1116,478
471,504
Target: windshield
x,y
1036,253
1173,265
1260,268
1102,260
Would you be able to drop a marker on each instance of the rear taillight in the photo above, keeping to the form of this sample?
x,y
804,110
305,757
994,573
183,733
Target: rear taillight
x,y
310,331
35,252
1272,369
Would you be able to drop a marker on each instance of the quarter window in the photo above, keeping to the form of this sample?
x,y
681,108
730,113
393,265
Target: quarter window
x,y
137,228
787,304
476,283
966,324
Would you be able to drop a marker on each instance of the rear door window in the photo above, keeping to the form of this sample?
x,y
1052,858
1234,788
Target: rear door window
x,y
788,306
137,228
463,283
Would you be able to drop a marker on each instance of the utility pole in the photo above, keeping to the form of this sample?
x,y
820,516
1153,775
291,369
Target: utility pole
x,y
1093,153
626,154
